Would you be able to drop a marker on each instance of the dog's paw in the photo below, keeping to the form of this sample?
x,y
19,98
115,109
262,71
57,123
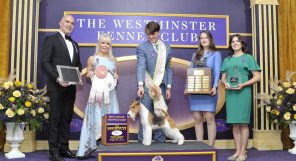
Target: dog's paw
x,y
180,141
174,141
147,143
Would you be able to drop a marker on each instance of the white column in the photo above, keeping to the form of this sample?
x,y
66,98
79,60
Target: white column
x,y
24,39
265,50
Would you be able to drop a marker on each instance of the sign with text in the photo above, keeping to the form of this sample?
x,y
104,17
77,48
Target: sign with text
x,y
127,29
115,129
158,155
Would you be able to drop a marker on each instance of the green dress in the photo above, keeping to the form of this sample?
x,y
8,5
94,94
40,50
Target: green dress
x,y
238,102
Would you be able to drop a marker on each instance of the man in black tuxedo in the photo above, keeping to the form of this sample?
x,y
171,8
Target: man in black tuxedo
x,y
60,49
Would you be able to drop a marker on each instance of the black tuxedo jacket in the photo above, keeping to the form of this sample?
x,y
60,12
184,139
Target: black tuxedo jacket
x,y
55,52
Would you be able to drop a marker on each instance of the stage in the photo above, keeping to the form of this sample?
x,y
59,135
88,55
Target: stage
x,y
222,154
134,151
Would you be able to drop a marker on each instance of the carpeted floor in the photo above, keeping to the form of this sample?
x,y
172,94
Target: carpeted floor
x,y
253,155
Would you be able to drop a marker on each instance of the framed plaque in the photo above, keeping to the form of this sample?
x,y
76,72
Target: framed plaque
x,y
115,129
199,81
69,74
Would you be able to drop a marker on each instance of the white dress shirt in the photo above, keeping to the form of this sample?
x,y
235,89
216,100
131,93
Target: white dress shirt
x,y
69,45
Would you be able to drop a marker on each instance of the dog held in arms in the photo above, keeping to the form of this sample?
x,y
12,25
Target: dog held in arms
x,y
151,122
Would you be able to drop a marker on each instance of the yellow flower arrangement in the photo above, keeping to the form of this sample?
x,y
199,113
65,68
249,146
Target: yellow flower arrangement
x,y
281,103
22,102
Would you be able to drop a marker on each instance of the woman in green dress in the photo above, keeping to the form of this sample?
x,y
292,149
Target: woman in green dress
x,y
235,76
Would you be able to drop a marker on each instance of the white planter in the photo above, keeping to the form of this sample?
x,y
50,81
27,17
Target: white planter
x,y
14,135
293,136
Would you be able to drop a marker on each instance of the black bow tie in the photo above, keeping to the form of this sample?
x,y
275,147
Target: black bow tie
x,y
68,37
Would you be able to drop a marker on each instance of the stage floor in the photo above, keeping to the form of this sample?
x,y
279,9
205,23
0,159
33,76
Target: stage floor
x,y
222,154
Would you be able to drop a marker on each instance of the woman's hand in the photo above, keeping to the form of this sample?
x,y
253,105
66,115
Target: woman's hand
x,y
237,87
80,78
185,92
226,85
90,74
214,91
116,76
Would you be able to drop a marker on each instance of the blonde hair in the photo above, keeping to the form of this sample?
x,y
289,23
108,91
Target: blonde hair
x,y
107,38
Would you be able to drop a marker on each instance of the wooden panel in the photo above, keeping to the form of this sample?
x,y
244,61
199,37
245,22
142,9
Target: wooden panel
x,y
262,141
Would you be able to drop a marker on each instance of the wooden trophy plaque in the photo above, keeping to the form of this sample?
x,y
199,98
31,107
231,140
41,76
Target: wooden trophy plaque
x,y
199,81
115,129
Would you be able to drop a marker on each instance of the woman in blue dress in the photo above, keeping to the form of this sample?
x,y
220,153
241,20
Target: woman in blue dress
x,y
205,105
96,108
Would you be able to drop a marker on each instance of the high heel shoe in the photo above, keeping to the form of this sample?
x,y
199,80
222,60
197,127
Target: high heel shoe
x,y
241,158
233,157
87,156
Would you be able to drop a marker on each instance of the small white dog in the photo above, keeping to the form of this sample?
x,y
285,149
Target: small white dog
x,y
149,123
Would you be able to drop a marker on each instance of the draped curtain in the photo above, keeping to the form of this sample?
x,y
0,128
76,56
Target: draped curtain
x,y
4,36
4,48
287,38
287,49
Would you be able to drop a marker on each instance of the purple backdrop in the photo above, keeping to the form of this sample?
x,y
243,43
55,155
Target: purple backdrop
x,y
239,21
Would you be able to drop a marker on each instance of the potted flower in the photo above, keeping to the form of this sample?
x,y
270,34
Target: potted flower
x,y
281,104
20,104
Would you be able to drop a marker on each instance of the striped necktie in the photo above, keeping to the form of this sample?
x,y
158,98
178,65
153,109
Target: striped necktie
x,y
156,47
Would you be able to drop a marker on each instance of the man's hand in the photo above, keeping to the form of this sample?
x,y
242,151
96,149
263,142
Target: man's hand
x,y
62,83
168,94
140,91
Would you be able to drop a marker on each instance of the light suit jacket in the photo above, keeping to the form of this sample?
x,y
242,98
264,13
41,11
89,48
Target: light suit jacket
x,y
146,61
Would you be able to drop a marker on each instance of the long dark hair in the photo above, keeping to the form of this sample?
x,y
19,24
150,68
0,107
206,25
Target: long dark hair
x,y
243,42
200,47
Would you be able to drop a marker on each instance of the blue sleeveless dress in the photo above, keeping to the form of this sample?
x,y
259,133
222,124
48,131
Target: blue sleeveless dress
x,y
92,121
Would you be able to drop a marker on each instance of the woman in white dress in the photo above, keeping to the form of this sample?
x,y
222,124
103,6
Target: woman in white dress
x,y
102,98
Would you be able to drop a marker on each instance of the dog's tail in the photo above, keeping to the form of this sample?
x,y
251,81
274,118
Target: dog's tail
x,y
160,120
